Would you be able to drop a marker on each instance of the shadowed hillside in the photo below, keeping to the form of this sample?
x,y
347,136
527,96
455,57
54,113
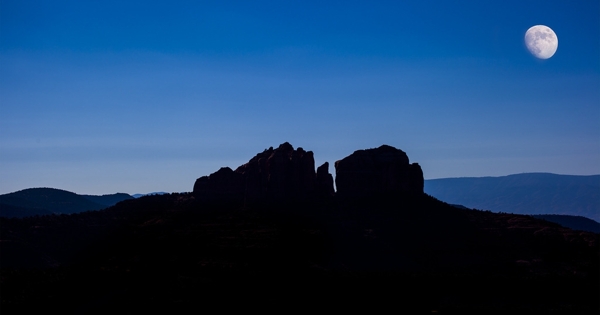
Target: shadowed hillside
x,y
572,222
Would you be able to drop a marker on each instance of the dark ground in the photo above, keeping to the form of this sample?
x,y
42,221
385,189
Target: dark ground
x,y
387,253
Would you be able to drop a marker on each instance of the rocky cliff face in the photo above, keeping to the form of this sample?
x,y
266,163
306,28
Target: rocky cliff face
x,y
274,174
280,173
224,184
288,174
324,181
381,170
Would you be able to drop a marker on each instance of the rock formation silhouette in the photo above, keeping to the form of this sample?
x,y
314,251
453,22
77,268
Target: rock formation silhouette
x,y
273,175
375,171
288,174
324,181
220,185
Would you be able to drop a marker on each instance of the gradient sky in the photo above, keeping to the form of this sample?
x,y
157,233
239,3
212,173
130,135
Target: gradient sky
x,y
105,96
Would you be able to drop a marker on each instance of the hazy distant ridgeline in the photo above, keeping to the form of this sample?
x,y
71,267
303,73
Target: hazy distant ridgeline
x,y
527,193
149,194
572,222
42,201
108,200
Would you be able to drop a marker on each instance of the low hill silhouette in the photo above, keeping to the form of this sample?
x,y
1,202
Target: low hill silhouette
x,y
272,235
527,193
43,201
571,221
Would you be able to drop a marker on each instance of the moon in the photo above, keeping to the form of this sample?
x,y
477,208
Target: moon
x,y
541,41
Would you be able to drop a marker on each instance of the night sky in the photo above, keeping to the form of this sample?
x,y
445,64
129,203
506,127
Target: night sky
x,y
99,97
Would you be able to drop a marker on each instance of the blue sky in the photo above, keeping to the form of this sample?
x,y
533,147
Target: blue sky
x,y
100,97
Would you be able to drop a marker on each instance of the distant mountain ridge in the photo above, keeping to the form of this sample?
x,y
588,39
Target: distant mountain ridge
x,y
149,194
572,222
526,193
43,201
107,200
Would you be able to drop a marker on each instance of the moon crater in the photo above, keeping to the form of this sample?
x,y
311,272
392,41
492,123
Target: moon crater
x,y
541,41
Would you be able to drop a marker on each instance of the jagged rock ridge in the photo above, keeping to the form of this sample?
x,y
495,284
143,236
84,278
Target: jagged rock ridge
x,y
288,174
274,174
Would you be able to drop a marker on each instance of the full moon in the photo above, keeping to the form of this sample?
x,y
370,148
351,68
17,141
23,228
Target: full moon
x,y
541,41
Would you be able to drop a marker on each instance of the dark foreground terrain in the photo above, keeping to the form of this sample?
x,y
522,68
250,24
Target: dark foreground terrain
x,y
396,250
410,253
